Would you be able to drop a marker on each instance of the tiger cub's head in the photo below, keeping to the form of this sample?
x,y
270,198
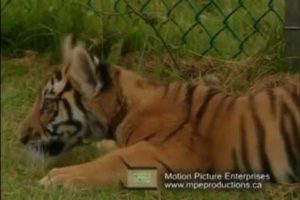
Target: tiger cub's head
x,y
63,115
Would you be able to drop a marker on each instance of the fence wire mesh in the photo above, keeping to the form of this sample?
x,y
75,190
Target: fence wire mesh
x,y
221,13
222,28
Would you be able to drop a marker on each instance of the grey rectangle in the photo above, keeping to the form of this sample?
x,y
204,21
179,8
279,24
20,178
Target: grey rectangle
x,y
292,32
292,13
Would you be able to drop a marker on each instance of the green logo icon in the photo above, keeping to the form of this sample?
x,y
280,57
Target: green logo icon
x,y
142,178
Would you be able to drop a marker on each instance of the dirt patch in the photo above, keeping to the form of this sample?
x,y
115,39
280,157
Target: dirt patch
x,y
31,64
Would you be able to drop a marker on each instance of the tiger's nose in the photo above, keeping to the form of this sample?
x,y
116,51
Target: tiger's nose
x,y
24,139
28,133
25,134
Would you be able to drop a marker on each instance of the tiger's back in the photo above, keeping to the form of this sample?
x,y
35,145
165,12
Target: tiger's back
x,y
256,133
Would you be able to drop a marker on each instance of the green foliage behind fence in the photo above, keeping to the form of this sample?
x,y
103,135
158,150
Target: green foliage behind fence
x,y
228,29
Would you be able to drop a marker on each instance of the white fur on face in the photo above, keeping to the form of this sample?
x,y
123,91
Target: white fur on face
x,y
61,125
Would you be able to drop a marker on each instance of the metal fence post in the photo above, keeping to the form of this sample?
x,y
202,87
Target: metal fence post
x,y
292,32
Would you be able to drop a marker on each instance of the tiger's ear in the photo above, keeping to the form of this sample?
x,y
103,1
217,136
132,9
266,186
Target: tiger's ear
x,y
82,73
69,43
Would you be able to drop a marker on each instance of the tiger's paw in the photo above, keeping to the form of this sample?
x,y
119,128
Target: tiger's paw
x,y
65,177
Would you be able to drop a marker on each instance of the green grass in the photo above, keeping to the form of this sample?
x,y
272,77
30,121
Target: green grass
x,y
253,28
20,174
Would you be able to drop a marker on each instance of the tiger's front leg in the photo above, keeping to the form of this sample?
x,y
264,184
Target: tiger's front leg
x,y
109,170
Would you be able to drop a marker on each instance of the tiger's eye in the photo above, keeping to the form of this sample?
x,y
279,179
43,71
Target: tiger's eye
x,y
49,105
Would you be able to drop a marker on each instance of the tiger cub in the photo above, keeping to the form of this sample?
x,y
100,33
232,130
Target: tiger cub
x,y
174,127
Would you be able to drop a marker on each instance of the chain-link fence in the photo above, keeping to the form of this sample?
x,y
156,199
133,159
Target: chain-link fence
x,y
213,20
222,28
